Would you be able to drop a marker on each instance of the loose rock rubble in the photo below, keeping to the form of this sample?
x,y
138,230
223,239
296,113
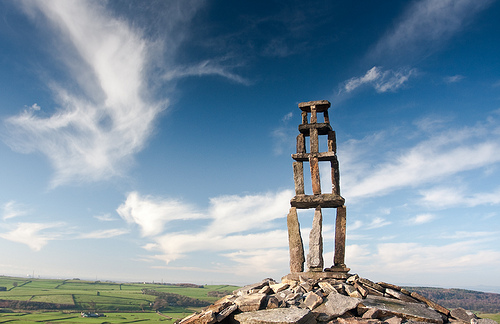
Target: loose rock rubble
x,y
354,300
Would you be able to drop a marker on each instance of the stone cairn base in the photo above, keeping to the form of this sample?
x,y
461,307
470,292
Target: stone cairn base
x,y
354,300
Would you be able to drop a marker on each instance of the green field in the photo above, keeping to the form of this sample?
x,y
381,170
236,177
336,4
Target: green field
x,y
60,317
122,302
495,317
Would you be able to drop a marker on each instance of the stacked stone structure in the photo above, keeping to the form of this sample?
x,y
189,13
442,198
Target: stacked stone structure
x,y
318,295
311,129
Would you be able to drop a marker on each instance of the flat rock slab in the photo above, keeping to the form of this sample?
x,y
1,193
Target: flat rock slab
x,y
277,316
336,305
411,311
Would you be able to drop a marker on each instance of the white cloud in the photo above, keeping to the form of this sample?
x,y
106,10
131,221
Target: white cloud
x,y
439,156
207,67
423,263
105,109
377,222
152,213
458,196
382,81
426,25
454,78
421,219
32,234
100,234
236,224
105,217
91,136
12,209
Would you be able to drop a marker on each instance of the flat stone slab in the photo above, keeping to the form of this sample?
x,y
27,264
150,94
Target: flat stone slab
x,y
277,316
336,305
410,311
313,201
316,275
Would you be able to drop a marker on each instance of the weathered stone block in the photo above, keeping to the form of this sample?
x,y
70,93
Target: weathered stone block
x,y
462,315
326,287
313,300
279,287
336,305
315,256
295,242
226,312
431,304
247,303
410,311
277,316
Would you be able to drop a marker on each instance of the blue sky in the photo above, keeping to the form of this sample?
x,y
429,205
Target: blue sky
x,y
151,140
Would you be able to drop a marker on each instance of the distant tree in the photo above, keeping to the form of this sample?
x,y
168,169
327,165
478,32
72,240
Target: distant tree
x,y
14,284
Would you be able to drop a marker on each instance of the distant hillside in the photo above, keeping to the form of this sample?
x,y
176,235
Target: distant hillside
x,y
468,299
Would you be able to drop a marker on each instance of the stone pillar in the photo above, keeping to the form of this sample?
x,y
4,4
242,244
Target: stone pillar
x,y
315,177
335,176
315,256
298,177
295,242
332,142
304,117
340,231
314,141
301,145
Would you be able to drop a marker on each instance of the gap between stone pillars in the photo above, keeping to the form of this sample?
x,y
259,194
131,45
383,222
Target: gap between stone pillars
x,y
340,232
295,242
315,256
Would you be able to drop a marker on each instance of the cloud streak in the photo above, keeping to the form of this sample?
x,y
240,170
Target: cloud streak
x,y
106,106
96,129
33,234
382,81
425,26
236,226
439,156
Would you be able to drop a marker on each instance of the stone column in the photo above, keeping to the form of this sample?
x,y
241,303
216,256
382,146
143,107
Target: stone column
x,y
295,242
298,177
301,145
313,134
340,229
334,164
315,177
332,142
315,256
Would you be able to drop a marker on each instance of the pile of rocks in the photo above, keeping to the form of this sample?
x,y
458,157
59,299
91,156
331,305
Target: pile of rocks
x,y
354,300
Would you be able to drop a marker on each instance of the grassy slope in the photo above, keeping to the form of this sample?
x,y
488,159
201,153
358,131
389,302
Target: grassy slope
x,y
104,295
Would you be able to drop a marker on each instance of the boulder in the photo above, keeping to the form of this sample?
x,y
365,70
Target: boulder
x,y
336,305
313,300
247,303
226,312
410,311
276,316
462,315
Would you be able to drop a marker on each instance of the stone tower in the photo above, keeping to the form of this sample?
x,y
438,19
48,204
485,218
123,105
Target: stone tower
x,y
312,129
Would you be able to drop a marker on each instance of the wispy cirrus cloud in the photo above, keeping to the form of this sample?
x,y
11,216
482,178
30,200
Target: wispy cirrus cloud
x,y
12,209
425,26
421,219
437,156
443,197
236,226
35,235
104,234
423,263
153,213
381,80
105,103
